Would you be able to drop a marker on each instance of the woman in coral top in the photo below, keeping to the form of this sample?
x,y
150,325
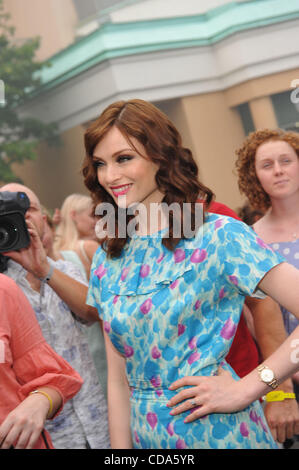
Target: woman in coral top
x,y
34,380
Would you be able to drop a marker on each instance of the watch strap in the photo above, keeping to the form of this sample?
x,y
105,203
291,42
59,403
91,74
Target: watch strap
x,y
273,384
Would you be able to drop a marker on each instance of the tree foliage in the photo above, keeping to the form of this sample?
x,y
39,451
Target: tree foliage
x,y
19,135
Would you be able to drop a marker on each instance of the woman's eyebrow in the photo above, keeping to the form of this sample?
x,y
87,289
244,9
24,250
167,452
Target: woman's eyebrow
x,y
115,154
94,157
270,157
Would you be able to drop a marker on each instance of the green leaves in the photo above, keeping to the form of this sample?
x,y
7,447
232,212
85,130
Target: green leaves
x,y
19,136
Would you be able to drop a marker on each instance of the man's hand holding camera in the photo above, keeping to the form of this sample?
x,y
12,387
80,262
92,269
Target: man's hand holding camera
x,y
33,258
21,229
21,232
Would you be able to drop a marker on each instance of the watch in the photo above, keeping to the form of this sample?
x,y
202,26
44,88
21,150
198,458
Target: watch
x,y
267,376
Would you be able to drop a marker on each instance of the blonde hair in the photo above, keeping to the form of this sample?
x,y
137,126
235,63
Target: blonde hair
x,y
67,234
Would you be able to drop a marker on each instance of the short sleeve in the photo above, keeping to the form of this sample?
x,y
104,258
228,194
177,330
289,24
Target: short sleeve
x,y
244,257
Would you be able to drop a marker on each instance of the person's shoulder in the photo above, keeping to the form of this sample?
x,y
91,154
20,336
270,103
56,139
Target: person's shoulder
x,y
220,220
212,227
220,226
221,209
261,228
13,295
8,285
100,251
90,247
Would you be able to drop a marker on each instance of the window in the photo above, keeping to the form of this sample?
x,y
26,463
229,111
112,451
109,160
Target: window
x,y
287,113
90,8
246,118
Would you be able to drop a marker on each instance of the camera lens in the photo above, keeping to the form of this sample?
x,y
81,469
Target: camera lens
x,y
8,234
3,236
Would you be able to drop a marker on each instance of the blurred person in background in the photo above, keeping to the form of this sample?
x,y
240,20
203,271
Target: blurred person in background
x,y
249,215
75,232
75,241
57,292
268,174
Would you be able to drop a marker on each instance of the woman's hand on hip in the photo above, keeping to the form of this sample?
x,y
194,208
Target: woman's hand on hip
x,y
205,395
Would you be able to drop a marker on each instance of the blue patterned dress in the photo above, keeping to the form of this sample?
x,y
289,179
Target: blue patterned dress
x,y
174,314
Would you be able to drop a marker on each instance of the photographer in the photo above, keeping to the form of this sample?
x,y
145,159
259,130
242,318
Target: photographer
x,y
57,294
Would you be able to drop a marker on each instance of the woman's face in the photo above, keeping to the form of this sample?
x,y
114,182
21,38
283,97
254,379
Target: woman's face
x,y
85,223
127,175
277,168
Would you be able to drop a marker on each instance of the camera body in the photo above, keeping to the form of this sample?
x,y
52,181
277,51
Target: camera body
x,y
13,229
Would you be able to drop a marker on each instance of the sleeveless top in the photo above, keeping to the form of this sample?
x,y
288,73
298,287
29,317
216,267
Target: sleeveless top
x,y
70,255
290,251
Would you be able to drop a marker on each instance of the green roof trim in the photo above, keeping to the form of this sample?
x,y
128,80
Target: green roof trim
x,y
114,40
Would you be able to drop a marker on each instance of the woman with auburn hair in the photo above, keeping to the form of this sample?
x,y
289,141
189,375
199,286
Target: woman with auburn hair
x,y
171,302
268,174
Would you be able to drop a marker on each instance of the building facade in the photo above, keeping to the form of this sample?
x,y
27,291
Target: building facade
x,y
218,68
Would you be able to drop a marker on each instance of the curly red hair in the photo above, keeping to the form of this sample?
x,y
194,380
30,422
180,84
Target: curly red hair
x,y
245,164
177,175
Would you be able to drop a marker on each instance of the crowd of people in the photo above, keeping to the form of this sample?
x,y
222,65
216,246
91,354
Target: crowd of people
x,y
150,338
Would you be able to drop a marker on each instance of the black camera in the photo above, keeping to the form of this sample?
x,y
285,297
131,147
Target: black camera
x,y
13,229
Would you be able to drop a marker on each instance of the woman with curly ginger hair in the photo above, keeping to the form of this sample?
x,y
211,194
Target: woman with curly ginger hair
x,y
268,170
249,183
170,303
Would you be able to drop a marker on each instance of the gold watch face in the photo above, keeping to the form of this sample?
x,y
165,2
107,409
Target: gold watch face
x,y
267,375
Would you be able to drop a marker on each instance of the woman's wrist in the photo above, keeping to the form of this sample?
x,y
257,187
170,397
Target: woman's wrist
x,y
41,403
48,397
47,274
250,389
52,399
